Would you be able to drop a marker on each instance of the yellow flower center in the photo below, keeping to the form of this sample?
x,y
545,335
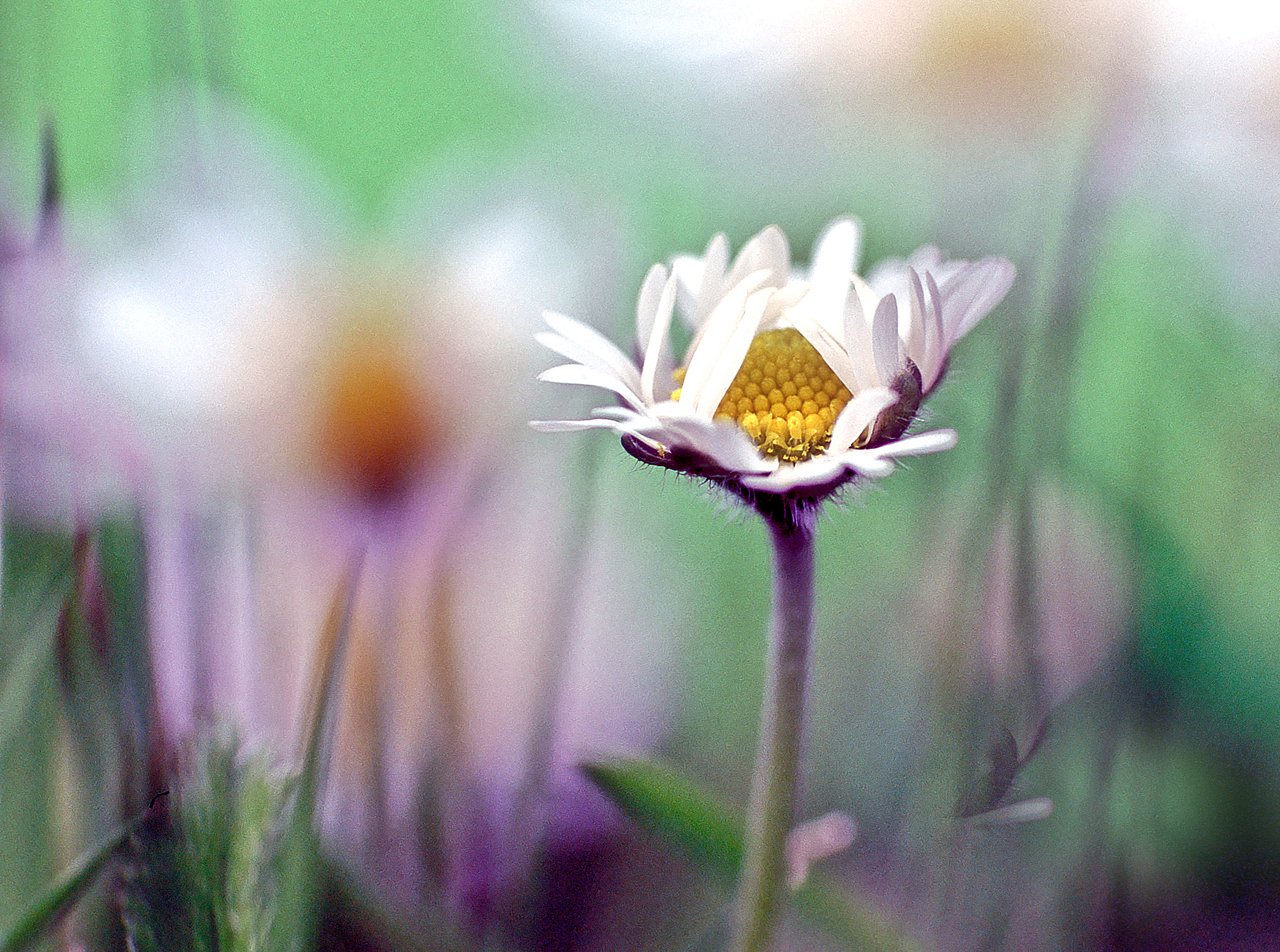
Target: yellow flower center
x,y
785,396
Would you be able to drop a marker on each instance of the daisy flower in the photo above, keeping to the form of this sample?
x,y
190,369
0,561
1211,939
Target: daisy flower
x,y
794,382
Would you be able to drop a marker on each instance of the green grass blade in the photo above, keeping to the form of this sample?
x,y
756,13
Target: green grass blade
x,y
20,680
63,894
662,802
36,631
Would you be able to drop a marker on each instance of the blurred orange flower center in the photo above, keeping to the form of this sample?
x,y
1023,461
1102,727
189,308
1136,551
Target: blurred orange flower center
x,y
374,430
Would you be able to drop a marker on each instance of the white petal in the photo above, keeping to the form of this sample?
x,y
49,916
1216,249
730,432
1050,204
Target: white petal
x,y
781,300
576,352
835,259
885,344
591,377
927,258
935,441
648,300
859,414
826,344
767,252
617,419
658,362
636,421
868,297
703,281
969,295
714,335
734,352
688,272
914,318
571,426
866,462
859,318
813,472
935,351
596,350
723,441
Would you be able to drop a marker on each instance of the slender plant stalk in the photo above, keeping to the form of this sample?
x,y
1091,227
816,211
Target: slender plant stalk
x,y
774,785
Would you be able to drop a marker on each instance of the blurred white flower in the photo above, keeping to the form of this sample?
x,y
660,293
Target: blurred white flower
x,y
793,383
946,56
1232,43
294,392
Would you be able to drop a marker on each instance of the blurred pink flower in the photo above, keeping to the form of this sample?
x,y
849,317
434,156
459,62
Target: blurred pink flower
x,y
1055,599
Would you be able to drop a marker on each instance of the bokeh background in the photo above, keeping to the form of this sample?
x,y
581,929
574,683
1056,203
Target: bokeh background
x,y
1100,554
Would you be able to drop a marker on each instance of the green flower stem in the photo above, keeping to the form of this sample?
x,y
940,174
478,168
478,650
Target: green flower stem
x,y
774,786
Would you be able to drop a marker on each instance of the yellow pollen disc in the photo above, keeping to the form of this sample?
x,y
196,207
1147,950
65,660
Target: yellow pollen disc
x,y
785,396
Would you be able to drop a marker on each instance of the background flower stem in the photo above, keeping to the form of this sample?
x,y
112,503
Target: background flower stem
x,y
771,813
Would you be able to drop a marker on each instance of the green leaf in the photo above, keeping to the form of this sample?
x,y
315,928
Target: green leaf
x,y
122,560
66,891
32,626
36,578
20,680
666,804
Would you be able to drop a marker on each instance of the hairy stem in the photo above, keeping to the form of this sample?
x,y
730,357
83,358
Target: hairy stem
x,y
774,785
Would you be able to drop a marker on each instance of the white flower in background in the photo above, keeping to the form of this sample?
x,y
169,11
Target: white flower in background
x,y
295,392
962,55
1207,152
793,383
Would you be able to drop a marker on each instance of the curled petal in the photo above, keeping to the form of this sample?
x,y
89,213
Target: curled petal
x,y
935,346
914,317
768,252
714,335
658,362
970,294
647,302
885,345
859,414
826,344
720,440
572,426
835,259
734,353
595,349
935,441
701,281
819,471
591,377
865,463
